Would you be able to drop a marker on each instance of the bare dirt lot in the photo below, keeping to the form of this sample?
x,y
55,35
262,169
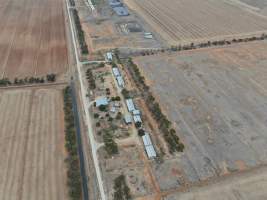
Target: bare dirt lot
x,y
32,145
247,186
217,101
32,38
192,20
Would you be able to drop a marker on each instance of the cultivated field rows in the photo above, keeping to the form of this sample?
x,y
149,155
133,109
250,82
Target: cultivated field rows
x,y
32,145
217,101
32,38
190,20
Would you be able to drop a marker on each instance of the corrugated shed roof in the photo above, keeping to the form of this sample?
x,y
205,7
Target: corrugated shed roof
x,y
136,112
130,105
151,153
120,81
116,71
137,118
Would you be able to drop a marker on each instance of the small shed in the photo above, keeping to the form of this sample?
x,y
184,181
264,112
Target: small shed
x,y
128,119
137,118
101,101
109,56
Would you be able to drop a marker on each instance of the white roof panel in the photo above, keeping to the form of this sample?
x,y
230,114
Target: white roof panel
x,y
130,105
137,118
151,153
146,139
116,71
120,81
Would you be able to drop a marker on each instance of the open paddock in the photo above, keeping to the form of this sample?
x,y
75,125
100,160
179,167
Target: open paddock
x,y
193,20
216,99
32,144
32,38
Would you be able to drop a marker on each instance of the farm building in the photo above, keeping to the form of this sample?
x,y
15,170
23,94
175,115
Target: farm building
x,y
128,119
136,112
120,81
130,105
101,101
137,118
116,71
121,11
109,56
115,3
151,153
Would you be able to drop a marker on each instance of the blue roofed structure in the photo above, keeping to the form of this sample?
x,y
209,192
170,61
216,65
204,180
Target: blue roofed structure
x,y
101,101
121,11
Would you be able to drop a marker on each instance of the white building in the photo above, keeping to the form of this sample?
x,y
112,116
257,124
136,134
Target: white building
x,y
120,81
151,153
130,105
109,56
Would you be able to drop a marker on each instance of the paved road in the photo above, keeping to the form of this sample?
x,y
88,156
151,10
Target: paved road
x,y
79,141
85,102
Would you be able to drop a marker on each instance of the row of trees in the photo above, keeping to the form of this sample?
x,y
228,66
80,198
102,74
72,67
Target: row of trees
x,y
90,78
121,190
205,44
80,32
28,80
164,124
73,169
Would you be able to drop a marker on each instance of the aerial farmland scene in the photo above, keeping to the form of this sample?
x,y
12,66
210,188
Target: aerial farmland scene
x,y
133,100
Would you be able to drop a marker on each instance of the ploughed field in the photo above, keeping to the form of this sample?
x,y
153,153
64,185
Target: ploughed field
x,y
32,38
193,20
32,145
217,99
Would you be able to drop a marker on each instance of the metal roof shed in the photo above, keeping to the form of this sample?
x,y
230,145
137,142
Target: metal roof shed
x,y
146,139
130,105
120,81
137,118
101,101
151,153
116,71
136,112
128,119
109,56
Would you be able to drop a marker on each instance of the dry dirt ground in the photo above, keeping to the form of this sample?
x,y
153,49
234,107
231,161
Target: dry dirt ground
x,y
32,38
193,20
247,186
216,99
32,145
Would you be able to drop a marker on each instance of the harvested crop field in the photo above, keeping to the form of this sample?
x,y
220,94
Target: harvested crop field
x,y
193,20
32,145
217,101
32,38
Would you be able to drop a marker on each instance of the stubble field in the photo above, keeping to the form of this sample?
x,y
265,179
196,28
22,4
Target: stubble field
x,y
32,38
194,20
32,145
217,101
